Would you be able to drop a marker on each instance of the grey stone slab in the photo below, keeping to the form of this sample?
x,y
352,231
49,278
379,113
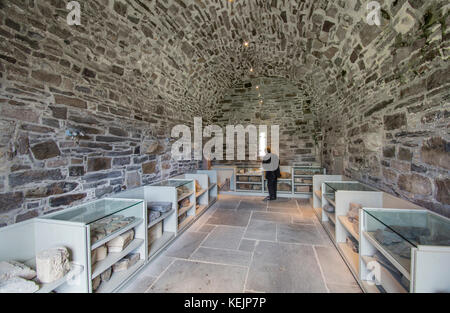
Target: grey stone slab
x,y
157,266
229,257
299,233
284,268
227,204
247,245
139,285
231,218
196,277
333,266
283,203
252,205
283,209
224,237
261,230
336,288
185,245
272,217
206,228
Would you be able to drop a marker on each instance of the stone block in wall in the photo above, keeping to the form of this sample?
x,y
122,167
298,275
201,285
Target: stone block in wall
x,y
45,150
10,201
149,167
46,77
404,154
443,190
66,200
436,151
34,176
394,121
74,102
50,190
415,184
98,164
133,180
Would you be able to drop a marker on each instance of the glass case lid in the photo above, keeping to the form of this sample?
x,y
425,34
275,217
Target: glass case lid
x,y
94,211
418,227
347,186
171,183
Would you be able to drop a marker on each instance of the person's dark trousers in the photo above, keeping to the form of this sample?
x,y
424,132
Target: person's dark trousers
x,y
272,186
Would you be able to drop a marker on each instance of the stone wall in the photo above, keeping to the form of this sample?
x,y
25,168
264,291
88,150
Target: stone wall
x,y
54,77
273,101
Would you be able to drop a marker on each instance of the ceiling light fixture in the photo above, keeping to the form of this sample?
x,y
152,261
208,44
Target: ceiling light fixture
x,y
245,43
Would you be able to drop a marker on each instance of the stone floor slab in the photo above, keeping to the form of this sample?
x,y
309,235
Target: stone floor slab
x,y
252,205
184,246
333,267
284,268
261,230
196,277
224,237
272,217
299,233
336,288
229,257
230,218
247,245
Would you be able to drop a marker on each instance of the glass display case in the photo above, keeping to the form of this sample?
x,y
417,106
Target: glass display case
x,y
105,233
303,178
414,246
330,189
249,179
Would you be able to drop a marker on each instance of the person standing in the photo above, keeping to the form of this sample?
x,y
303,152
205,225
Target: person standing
x,y
271,166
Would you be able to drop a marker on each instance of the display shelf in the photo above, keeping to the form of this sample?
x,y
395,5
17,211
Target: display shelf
x,y
248,183
158,244
185,209
185,195
101,242
331,216
348,226
351,257
211,186
113,258
201,193
200,209
119,278
159,219
185,223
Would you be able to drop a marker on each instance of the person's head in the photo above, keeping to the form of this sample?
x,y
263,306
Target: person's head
x,y
268,150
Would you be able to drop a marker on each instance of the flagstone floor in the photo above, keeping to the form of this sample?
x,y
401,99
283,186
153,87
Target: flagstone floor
x,y
243,244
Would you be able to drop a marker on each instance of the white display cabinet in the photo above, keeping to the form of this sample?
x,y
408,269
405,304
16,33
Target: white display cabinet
x,y
213,189
186,213
284,183
73,229
201,185
249,179
21,242
303,178
318,180
337,196
414,245
150,194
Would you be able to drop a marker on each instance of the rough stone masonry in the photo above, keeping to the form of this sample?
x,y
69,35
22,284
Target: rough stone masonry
x,y
378,96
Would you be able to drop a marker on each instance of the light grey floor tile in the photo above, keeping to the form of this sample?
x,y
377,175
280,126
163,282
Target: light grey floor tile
x,y
272,217
207,228
299,233
227,204
333,267
247,245
252,205
261,230
196,277
282,209
229,257
224,237
231,218
283,203
335,288
184,246
157,266
140,285
284,268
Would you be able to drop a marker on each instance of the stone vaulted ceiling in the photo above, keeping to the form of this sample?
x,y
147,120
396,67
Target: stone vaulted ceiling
x,y
195,49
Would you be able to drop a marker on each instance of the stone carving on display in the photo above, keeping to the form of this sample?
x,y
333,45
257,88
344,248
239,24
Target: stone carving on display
x,y
106,275
52,264
102,253
96,283
15,277
120,242
108,225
